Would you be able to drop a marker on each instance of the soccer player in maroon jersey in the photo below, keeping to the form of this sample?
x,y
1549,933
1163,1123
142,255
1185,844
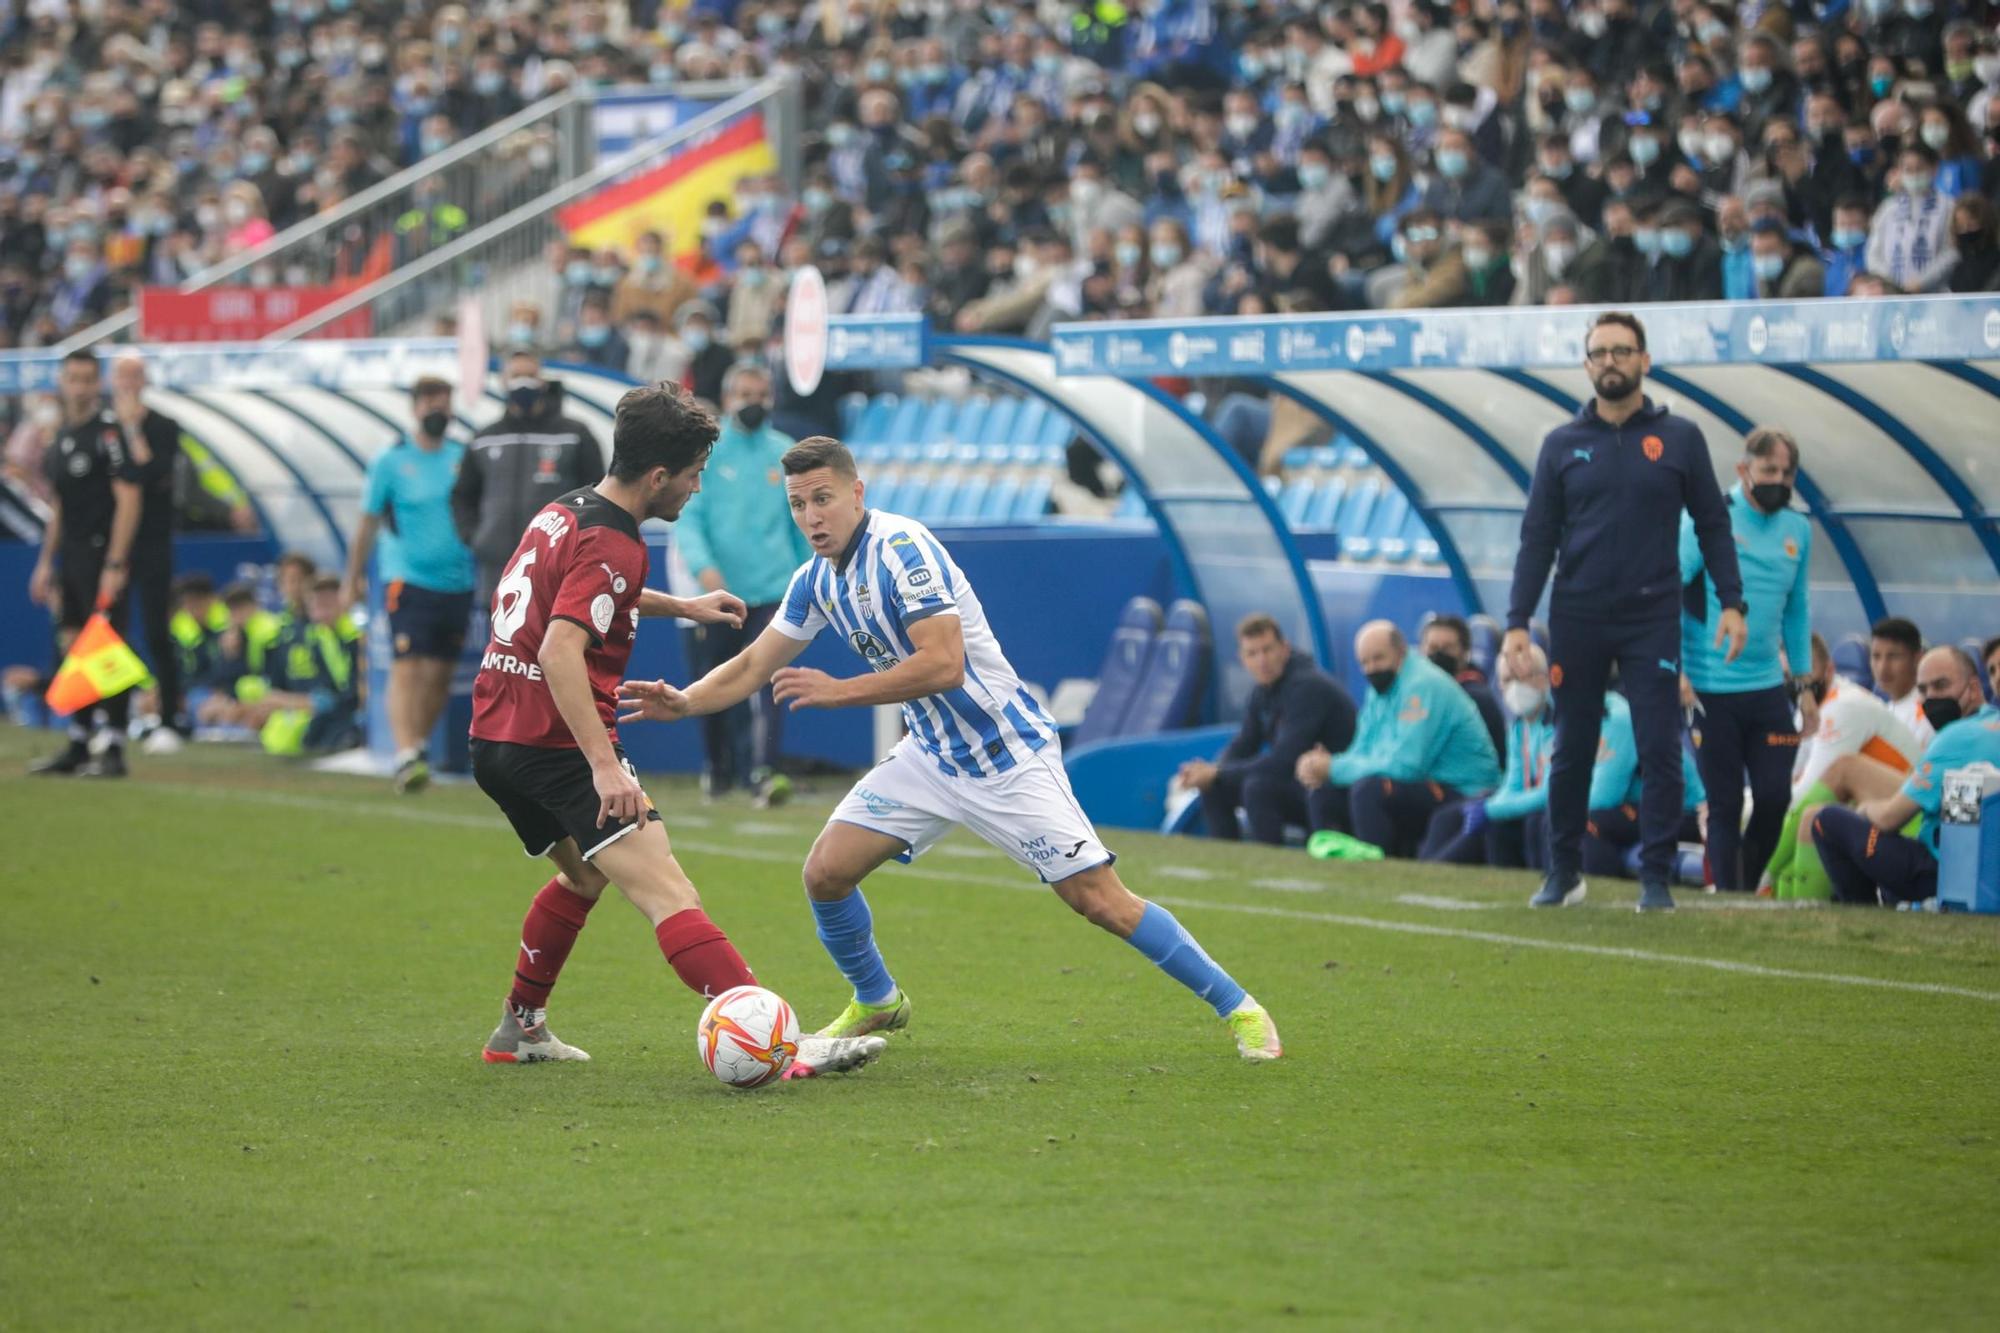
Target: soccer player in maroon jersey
x,y
544,735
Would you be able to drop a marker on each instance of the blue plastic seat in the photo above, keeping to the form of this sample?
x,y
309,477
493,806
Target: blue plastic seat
x,y
1298,460
1356,516
872,426
1122,671
971,420
1170,695
906,427
1354,456
999,423
1324,511
939,496
1057,429
1326,457
1386,529
852,405
1026,427
1033,501
885,493
1000,501
1850,659
937,421
971,499
1293,502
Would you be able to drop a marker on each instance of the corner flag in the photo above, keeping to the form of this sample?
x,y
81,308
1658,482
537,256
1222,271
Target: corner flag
x,y
99,665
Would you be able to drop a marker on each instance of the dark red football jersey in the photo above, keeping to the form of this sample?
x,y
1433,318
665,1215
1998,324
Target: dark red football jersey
x,y
581,559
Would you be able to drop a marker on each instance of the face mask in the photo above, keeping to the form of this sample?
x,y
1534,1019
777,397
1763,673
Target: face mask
x,y
488,82
1523,699
1166,256
1958,71
696,339
1382,168
1313,176
1647,239
1381,681
237,212
1847,238
593,335
607,276
1987,70
1768,267
524,396
1694,143
751,277
1880,84
1916,182
1579,100
1538,211
1445,662
1935,136
256,164
434,424
1478,259
1146,125
1557,170
1241,127
1941,713
1771,496
1719,148
1394,101
577,273
520,333
1453,163
77,267
751,416
1754,78
840,136
1645,150
1557,257
1863,157
817,200
1676,244
1367,108
1917,9
1127,254
1423,114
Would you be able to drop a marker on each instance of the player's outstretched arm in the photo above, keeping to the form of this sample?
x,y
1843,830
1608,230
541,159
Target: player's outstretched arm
x,y
729,684
938,664
713,608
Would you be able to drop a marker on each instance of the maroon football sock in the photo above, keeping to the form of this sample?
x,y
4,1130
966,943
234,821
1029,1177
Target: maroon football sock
x,y
701,954
547,936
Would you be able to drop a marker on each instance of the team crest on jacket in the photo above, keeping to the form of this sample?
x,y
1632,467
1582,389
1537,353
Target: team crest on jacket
x,y
1653,446
1791,548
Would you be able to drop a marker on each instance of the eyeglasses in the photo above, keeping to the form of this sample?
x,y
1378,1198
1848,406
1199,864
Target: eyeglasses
x,y
1597,356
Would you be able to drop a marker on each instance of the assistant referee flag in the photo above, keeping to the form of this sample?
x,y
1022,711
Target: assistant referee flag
x,y
100,664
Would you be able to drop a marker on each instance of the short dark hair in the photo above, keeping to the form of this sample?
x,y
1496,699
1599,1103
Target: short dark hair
x,y
1760,443
1987,649
1901,632
81,354
428,385
325,583
1624,319
818,451
659,426
196,584
1456,624
239,594
1257,624
301,559
1918,148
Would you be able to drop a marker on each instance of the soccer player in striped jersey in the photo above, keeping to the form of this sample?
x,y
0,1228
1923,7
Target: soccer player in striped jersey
x,y
980,751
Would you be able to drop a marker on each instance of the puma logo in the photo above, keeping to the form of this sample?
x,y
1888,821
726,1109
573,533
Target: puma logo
x,y
1582,454
530,952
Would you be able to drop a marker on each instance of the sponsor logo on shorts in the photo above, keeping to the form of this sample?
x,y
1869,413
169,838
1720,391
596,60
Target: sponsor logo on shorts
x,y
1041,851
877,803
509,665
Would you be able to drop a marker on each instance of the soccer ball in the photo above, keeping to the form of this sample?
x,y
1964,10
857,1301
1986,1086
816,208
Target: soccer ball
x,y
747,1036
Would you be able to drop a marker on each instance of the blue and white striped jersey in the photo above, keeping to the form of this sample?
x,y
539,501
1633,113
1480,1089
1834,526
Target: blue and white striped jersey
x,y
893,574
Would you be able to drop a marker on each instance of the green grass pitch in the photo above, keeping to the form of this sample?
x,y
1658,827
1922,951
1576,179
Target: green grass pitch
x,y
242,1091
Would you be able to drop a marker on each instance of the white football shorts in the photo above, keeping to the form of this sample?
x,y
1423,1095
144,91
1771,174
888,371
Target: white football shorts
x,y
1027,812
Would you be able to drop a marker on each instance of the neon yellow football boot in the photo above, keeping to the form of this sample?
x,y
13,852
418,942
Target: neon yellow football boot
x,y
858,1019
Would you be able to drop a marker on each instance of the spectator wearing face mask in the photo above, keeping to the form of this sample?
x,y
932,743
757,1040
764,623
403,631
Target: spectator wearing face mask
x,y
653,283
1419,745
1686,264
1909,242
1974,243
1612,269
527,457
1433,271
1489,272
1847,247
1784,271
1745,706
1732,226
1447,641
1547,263
756,299
1466,190
1866,851
737,533
707,360
597,342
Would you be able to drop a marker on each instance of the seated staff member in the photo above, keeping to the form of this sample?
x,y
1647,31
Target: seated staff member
x,y
1293,707
1492,830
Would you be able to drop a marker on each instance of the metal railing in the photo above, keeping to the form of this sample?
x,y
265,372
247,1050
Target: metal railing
x,y
416,210
503,260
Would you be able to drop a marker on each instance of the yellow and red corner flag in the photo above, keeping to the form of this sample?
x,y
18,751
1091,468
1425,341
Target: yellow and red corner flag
x,y
99,665
673,196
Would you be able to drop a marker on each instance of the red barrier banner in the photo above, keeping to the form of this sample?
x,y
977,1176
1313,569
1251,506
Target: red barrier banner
x,y
240,314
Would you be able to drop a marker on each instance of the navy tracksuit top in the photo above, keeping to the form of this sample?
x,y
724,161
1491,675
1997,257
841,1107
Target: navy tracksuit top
x,y
1605,509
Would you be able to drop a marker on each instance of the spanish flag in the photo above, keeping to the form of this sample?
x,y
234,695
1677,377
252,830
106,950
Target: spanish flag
x,y
99,665
674,196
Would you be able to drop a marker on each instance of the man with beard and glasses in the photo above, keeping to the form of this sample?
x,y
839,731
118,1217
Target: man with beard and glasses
x,y
1607,497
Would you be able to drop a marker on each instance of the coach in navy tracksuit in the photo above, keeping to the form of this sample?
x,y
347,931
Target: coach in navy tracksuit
x,y
1605,507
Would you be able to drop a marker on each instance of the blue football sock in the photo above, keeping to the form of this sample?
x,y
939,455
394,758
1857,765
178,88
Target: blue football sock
x,y
1168,946
847,929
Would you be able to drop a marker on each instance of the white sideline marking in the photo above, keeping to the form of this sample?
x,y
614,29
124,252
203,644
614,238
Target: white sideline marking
x,y
1184,872
1292,885
384,810
1444,904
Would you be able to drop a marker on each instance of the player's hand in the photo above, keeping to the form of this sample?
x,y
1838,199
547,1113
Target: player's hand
x,y
717,608
1514,650
619,796
1687,693
353,592
110,584
1198,774
1732,628
1808,714
1312,768
651,701
42,585
803,687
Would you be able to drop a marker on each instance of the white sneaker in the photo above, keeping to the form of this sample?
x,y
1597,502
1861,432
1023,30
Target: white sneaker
x,y
162,740
523,1038
833,1055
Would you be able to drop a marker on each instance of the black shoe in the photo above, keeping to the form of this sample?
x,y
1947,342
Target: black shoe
x,y
110,764
62,764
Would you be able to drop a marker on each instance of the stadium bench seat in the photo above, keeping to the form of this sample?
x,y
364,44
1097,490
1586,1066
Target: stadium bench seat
x,y
971,501
1850,659
1057,429
940,493
998,426
1324,512
1122,671
936,425
1294,500
852,405
872,427
1171,693
1026,427
904,426
1033,501
1001,500
971,420
1392,518
1357,516
1298,460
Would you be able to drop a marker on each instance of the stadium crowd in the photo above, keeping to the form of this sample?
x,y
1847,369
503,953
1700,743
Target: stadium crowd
x,y
1002,166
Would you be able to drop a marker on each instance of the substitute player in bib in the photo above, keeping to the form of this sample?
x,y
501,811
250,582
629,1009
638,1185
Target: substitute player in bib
x,y
981,752
545,743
